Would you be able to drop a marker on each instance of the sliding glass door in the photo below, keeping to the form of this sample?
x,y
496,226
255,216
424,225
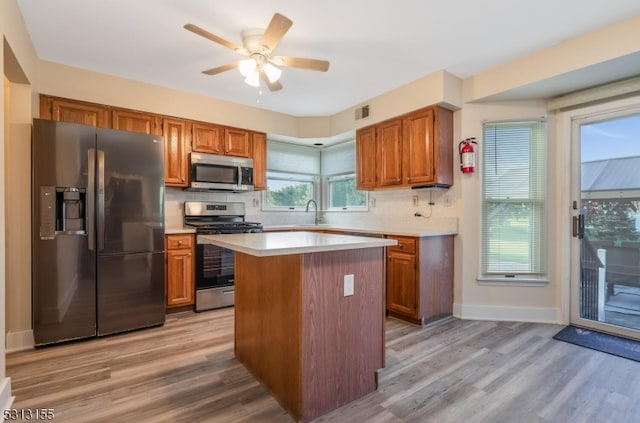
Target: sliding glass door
x,y
605,293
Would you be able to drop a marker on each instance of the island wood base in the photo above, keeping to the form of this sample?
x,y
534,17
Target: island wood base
x,y
296,332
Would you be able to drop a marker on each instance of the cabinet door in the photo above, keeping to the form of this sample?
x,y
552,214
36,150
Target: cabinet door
x,y
76,112
402,292
366,158
207,138
418,147
236,142
176,161
180,286
259,154
389,153
128,120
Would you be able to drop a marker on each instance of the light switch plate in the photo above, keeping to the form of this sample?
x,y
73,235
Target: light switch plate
x,y
348,285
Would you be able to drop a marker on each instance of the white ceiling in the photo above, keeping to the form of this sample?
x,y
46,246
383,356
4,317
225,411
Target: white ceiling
x,y
374,46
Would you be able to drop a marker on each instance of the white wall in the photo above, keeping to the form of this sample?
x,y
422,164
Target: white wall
x,y
18,66
476,300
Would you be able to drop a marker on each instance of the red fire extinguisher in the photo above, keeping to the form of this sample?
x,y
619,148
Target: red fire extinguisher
x,y
467,155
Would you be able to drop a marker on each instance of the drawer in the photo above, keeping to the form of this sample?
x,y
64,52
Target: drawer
x,y
175,242
405,244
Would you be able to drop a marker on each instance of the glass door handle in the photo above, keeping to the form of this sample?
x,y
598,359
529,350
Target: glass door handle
x,y
578,226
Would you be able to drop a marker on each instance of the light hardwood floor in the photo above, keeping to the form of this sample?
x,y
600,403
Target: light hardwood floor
x,y
455,371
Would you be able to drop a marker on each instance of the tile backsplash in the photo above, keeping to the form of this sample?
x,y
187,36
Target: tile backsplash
x,y
386,208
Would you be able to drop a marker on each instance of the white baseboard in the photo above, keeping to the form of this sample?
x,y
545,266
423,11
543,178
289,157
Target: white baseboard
x,y
6,399
510,314
19,341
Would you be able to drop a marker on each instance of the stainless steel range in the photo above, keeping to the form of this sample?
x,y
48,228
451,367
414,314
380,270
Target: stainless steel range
x,y
215,265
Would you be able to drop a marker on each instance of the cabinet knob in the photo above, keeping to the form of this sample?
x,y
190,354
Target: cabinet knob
x,y
179,242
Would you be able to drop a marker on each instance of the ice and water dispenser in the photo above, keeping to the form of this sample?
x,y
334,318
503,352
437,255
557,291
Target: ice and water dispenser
x,y
62,211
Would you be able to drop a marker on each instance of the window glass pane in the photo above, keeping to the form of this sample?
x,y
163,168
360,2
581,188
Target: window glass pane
x,y
343,193
513,230
288,193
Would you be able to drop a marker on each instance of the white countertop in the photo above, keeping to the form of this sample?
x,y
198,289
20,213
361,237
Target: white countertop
x,y
298,242
385,230
179,230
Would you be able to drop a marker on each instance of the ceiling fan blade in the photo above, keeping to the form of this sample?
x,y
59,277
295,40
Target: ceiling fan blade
x,y
220,69
273,86
278,26
298,62
206,34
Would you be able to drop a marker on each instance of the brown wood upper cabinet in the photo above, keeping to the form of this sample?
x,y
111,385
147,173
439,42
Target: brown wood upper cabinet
x,y
366,158
236,142
389,153
207,138
412,149
129,120
75,112
176,134
259,155
217,139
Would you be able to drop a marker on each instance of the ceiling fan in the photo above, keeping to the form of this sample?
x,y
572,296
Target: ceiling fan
x,y
258,45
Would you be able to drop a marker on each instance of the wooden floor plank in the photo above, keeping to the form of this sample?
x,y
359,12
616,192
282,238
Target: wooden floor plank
x,y
451,371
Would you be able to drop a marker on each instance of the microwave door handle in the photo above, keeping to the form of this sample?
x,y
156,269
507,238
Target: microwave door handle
x,y
91,198
239,175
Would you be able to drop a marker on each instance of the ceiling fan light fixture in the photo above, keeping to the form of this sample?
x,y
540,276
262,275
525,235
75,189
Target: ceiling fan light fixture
x,y
273,73
253,79
248,67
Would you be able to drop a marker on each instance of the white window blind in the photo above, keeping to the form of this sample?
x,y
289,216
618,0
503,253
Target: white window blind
x,y
339,159
292,158
513,199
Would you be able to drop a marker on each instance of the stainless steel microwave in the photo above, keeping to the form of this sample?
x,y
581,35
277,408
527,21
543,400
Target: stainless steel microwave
x,y
210,172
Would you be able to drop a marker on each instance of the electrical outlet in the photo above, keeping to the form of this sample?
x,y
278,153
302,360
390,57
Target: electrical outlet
x,y
373,202
447,200
414,201
256,202
348,285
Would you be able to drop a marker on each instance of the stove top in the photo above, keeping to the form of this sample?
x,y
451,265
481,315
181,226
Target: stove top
x,y
211,228
211,218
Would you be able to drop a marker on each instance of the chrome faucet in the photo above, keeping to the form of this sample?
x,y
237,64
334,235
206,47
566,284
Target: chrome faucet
x,y
306,210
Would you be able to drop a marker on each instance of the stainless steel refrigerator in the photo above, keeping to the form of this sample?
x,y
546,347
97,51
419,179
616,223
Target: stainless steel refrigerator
x,y
97,231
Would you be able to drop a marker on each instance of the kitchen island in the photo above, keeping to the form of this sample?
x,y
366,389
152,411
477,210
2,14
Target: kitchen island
x,y
309,315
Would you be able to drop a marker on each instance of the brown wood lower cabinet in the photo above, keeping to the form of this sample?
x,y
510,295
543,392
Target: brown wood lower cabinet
x,y
180,270
420,278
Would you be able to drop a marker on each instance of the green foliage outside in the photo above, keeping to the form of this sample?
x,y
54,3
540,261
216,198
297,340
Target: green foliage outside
x,y
293,195
345,194
508,238
610,220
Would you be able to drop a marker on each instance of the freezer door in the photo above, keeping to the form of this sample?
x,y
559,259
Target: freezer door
x,y
63,267
131,292
130,192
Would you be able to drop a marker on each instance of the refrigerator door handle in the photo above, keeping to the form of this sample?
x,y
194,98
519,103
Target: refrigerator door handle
x,y
91,197
100,202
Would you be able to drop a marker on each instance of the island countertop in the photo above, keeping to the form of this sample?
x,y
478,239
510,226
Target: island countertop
x,y
300,242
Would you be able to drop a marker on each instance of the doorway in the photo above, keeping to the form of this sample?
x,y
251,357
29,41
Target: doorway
x,y
605,288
